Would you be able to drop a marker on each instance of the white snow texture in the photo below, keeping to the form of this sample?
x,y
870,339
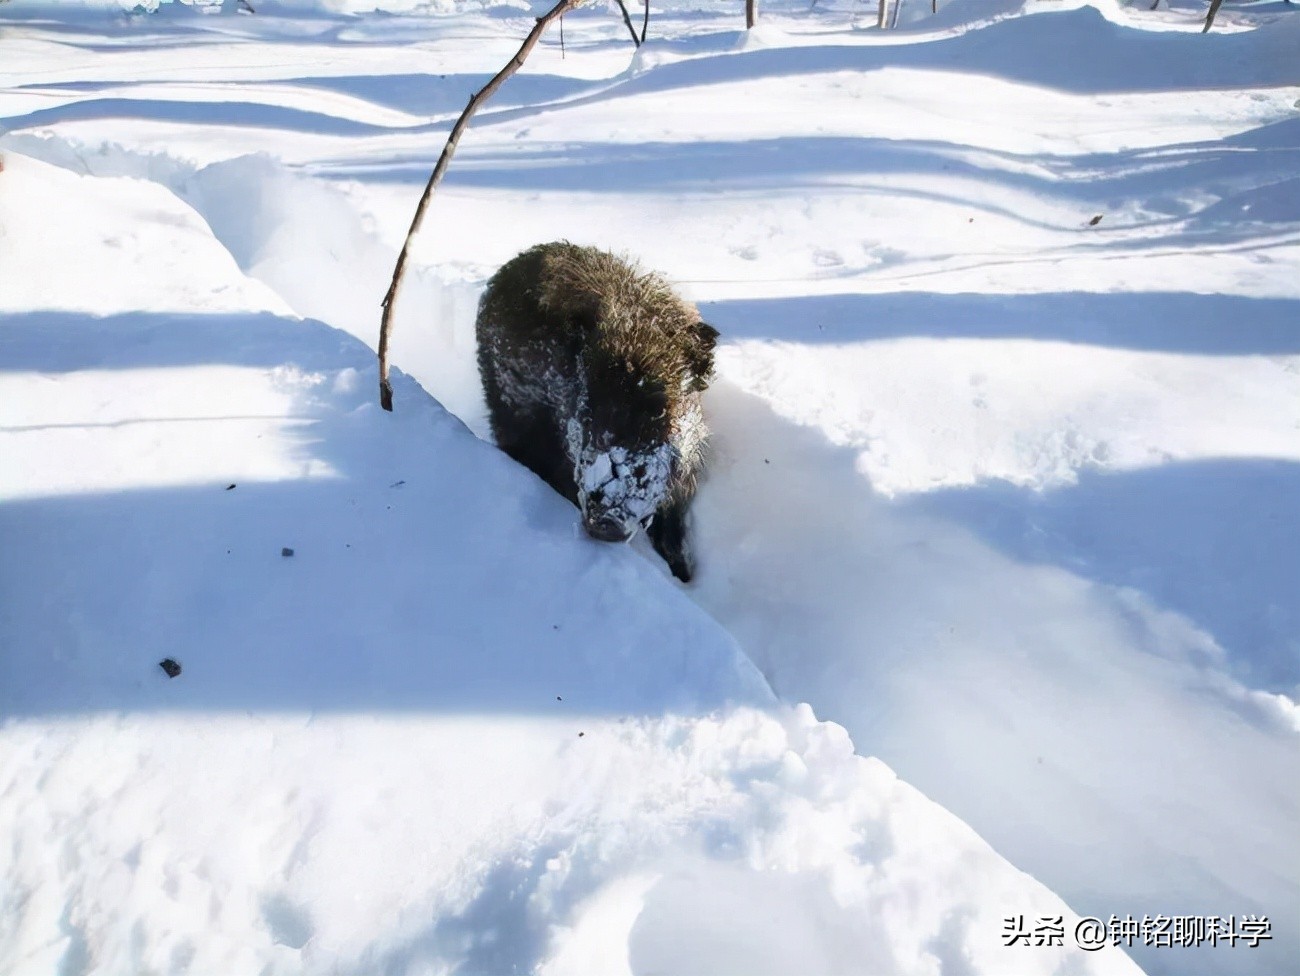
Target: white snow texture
x,y
997,613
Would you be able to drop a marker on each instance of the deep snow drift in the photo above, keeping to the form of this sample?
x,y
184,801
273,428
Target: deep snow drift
x,y
1004,490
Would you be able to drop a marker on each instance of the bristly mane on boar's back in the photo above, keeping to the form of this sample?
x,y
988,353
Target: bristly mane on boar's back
x,y
593,371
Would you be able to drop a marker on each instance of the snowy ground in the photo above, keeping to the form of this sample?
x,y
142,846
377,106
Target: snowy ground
x,y
1005,494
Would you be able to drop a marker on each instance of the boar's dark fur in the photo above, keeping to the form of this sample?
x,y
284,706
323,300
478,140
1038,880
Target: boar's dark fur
x,y
593,371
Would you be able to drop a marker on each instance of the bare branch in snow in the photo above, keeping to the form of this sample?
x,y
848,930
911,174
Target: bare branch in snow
x,y
449,150
1209,18
627,19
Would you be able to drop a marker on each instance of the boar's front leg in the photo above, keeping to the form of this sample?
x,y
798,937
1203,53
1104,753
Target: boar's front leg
x,y
667,534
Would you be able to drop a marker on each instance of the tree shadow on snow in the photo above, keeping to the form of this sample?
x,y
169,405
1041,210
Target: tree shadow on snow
x,y
1152,199
1156,321
443,94
416,94
177,25
1216,541
252,115
1145,173
1035,50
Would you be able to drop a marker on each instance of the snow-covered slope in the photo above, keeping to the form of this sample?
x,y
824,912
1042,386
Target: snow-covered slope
x,y
1004,490
421,723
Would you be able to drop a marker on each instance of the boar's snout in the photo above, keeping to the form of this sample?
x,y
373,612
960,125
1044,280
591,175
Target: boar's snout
x,y
607,529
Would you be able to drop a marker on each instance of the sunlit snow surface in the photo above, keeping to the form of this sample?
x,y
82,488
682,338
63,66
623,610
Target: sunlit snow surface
x,y
1005,492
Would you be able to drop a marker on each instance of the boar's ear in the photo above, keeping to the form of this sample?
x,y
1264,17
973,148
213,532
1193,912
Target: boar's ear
x,y
701,353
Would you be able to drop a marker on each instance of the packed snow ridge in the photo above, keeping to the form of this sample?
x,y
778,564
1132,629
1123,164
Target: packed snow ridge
x,y
995,621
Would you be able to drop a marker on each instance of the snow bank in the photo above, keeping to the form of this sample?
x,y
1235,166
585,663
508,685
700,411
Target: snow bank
x,y
302,237
170,262
421,723
749,842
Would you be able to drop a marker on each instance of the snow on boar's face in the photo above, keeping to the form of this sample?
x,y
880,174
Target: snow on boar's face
x,y
619,442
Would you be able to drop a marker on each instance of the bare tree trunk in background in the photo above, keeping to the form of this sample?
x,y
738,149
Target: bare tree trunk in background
x,y
1154,4
1209,18
628,20
898,8
449,150
645,21
751,13
883,15
934,6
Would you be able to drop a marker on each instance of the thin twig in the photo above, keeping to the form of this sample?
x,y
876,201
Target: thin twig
x,y
627,19
645,21
1209,18
449,150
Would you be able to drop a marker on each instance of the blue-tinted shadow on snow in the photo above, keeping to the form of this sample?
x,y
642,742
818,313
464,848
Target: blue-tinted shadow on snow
x,y
1037,49
1028,49
1151,199
1217,541
252,115
1074,50
415,93
65,341
1157,321
105,30
445,94
429,572
646,167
